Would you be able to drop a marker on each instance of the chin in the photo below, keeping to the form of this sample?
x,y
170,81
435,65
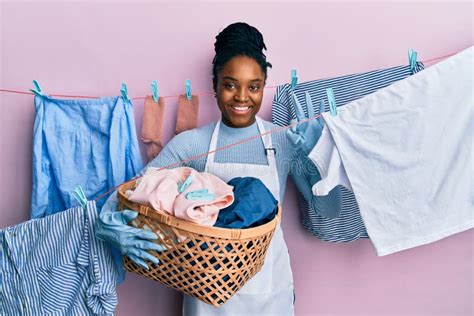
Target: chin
x,y
242,121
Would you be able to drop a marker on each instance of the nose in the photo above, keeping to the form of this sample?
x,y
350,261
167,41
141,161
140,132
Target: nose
x,y
241,95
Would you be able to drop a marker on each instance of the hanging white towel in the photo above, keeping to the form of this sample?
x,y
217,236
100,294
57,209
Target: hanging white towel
x,y
406,153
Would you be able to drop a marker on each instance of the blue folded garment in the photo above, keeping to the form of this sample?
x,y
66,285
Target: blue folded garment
x,y
254,205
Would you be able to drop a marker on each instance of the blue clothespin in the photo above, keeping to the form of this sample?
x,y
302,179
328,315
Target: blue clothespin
x,y
124,92
331,101
188,89
183,186
294,79
321,107
200,195
154,90
412,59
309,105
37,89
79,195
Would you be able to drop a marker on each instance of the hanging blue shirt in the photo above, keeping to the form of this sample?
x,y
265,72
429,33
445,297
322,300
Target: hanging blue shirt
x,y
90,142
56,265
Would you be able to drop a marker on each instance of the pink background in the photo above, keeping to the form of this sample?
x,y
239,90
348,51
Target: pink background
x,y
91,48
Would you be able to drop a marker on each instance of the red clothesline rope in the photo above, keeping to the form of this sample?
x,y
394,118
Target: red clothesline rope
x,y
169,96
445,56
95,97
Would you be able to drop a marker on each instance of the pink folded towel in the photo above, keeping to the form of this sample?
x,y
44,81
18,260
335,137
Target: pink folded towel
x,y
160,190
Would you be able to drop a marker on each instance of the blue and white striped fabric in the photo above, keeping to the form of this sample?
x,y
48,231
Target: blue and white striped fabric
x,y
56,266
348,226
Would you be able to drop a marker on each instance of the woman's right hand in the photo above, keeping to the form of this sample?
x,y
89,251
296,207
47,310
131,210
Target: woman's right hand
x,y
305,135
134,242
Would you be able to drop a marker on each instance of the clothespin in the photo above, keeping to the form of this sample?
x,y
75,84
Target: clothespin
x,y
124,92
294,79
79,195
331,101
309,105
154,90
321,107
200,195
183,186
188,89
37,89
412,59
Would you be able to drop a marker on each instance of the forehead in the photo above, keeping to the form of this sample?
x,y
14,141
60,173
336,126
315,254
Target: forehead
x,y
242,68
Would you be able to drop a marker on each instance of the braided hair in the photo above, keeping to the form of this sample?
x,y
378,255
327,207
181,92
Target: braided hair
x,y
235,40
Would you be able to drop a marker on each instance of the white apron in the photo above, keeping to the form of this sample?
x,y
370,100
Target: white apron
x,y
270,291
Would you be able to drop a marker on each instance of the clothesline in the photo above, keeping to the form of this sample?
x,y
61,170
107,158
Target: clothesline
x,y
169,96
275,130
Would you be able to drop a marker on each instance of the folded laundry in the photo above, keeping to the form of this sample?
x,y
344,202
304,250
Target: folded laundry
x,y
253,205
184,192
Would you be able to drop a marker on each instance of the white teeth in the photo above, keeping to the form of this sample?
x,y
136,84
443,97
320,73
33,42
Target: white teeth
x,y
241,108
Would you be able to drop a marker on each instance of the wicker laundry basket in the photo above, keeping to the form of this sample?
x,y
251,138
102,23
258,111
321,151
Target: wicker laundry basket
x,y
208,263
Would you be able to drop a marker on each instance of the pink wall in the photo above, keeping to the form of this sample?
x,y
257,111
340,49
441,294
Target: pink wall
x,y
90,48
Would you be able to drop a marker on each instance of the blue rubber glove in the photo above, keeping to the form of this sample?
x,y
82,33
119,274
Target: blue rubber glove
x,y
305,177
304,136
134,242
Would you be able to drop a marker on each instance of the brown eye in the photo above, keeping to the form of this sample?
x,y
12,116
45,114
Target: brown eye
x,y
254,88
229,85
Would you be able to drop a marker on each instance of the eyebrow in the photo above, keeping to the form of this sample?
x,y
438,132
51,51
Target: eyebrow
x,y
233,79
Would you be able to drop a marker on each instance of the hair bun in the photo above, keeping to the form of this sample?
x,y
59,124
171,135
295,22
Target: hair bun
x,y
241,35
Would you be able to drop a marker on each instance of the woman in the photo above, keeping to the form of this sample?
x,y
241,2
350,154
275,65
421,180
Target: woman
x,y
239,76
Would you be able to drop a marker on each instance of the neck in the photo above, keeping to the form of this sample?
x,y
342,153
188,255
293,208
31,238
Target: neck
x,y
239,132
229,124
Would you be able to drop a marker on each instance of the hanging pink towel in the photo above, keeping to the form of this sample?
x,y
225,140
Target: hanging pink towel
x,y
187,116
152,126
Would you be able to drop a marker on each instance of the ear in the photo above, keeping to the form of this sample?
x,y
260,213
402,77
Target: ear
x,y
214,85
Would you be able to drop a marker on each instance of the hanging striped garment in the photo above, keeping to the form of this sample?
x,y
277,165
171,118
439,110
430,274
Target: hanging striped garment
x,y
56,266
349,225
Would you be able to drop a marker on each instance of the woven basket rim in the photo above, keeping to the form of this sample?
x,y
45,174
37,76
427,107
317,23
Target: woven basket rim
x,y
211,231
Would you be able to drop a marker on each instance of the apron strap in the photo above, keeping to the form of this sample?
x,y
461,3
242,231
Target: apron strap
x,y
213,143
270,151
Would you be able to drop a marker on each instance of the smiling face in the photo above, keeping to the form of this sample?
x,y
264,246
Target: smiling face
x,y
239,91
